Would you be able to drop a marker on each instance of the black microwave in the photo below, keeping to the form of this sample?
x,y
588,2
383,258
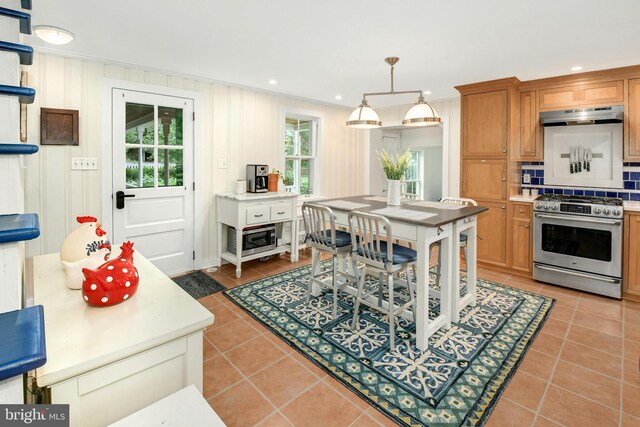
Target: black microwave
x,y
254,239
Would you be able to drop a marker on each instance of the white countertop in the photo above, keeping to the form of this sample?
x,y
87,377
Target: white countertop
x,y
257,196
520,198
631,206
81,338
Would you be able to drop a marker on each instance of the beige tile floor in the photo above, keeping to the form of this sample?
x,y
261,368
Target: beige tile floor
x,y
582,370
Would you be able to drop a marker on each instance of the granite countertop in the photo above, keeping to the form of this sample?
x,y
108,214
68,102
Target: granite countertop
x,y
631,206
256,196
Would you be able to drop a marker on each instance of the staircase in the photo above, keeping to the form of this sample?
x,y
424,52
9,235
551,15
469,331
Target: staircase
x,y
15,226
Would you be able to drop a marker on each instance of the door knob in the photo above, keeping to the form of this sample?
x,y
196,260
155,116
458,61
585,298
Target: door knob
x,y
120,199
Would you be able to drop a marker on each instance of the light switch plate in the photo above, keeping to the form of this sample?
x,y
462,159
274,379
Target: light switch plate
x,y
84,163
526,178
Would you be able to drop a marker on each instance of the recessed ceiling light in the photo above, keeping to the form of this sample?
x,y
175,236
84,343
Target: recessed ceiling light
x,y
53,35
338,97
576,68
273,82
426,92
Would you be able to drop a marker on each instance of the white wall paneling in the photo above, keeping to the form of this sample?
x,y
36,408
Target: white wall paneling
x,y
238,124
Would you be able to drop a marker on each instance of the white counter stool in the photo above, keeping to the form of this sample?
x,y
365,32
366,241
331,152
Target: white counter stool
x,y
321,235
463,243
371,237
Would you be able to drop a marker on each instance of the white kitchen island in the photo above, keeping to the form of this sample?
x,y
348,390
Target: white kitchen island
x,y
109,362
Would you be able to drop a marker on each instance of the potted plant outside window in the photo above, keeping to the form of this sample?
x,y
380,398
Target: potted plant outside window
x,y
394,167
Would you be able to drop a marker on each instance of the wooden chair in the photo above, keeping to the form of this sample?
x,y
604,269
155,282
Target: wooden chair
x,y
371,238
321,234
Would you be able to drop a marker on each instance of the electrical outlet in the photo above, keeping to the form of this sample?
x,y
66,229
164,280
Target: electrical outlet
x,y
222,163
526,178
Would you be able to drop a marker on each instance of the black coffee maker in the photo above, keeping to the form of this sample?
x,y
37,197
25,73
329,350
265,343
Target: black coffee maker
x,y
257,178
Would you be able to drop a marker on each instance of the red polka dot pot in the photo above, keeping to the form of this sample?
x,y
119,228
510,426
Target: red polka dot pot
x,y
113,282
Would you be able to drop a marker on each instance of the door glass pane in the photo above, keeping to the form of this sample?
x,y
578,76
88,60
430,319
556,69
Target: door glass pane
x,y
170,167
139,126
139,167
304,129
306,171
169,126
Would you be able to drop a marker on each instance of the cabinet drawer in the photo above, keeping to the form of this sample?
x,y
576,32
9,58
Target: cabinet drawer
x,y
280,212
258,214
585,94
522,211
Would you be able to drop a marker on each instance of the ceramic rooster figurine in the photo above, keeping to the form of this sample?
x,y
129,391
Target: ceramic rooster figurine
x,y
84,240
113,282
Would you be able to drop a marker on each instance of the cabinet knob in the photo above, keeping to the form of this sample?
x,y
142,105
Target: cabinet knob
x,y
521,210
503,207
526,226
504,179
504,149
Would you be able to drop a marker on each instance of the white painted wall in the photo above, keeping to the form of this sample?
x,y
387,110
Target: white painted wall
x,y
239,124
446,107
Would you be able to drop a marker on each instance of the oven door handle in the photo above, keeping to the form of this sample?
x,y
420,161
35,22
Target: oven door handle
x,y
578,219
575,273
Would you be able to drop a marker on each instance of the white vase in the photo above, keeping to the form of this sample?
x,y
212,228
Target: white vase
x,y
393,192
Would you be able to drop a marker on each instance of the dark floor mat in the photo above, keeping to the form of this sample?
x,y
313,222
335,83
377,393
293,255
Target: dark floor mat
x,y
198,284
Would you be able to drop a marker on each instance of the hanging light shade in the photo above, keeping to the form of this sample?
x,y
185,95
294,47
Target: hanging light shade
x,y
364,117
421,114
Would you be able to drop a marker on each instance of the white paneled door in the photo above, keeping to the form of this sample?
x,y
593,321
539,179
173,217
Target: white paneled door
x,y
153,177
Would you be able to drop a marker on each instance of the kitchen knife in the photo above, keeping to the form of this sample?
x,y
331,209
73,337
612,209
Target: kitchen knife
x,y
571,159
588,160
580,157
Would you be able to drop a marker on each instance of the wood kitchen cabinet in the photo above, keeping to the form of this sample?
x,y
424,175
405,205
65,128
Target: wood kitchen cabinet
x,y
484,179
632,150
485,126
528,147
594,94
492,226
631,255
521,244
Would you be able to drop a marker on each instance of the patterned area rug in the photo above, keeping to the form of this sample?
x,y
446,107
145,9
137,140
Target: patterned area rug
x,y
198,284
457,381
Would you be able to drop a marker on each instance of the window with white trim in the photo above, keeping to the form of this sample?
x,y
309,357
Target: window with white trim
x,y
300,154
414,176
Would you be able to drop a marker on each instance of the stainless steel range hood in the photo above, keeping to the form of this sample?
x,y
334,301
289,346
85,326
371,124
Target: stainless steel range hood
x,y
583,116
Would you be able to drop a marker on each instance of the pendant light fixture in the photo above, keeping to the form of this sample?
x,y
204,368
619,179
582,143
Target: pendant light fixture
x,y
420,114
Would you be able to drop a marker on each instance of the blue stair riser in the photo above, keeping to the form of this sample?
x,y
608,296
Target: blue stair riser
x,y
24,52
26,95
25,18
18,148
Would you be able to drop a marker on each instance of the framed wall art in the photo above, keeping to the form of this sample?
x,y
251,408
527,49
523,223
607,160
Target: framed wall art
x,y
58,127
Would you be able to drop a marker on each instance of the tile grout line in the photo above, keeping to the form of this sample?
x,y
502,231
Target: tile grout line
x,y
553,371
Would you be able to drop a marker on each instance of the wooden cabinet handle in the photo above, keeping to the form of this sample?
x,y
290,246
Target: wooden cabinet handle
x,y
258,216
281,213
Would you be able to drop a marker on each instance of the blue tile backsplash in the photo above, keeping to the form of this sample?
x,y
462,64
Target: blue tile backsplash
x,y
631,183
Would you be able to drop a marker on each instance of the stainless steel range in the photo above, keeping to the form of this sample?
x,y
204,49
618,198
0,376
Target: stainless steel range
x,y
577,242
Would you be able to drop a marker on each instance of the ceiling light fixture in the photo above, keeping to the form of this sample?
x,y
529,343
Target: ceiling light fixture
x,y
576,68
338,97
421,114
272,82
53,35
